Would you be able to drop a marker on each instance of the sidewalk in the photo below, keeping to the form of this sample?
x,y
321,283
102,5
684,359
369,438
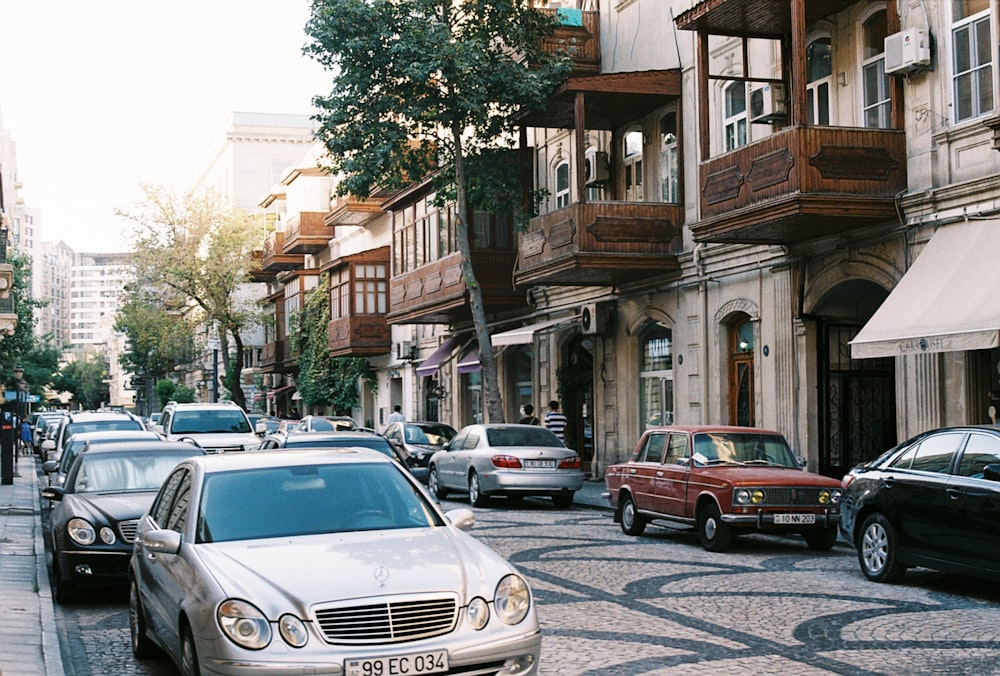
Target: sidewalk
x,y
589,495
29,644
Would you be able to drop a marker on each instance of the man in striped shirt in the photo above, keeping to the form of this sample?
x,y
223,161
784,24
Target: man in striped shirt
x,y
556,421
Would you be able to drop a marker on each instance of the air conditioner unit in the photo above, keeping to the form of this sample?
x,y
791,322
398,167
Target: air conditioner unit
x,y
907,51
598,169
595,319
767,104
404,350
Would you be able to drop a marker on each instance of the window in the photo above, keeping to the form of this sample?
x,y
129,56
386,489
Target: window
x,y
735,119
656,380
874,80
369,289
677,449
980,450
340,293
741,372
652,450
562,185
972,68
819,71
669,171
632,166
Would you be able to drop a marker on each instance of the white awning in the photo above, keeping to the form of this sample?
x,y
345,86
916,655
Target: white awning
x,y
524,334
948,301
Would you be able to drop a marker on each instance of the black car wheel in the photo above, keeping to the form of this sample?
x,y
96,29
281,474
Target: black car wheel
x,y
633,523
562,500
189,654
434,485
476,496
142,646
713,533
877,550
821,539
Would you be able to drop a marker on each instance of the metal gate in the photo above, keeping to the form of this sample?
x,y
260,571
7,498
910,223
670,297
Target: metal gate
x,y
859,403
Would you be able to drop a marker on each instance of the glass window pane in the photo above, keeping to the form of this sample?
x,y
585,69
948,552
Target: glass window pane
x,y
962,9
962,49
983,55
985,76
963,96
823,103
874,35
819,62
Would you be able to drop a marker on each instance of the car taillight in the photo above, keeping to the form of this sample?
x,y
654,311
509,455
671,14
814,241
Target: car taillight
x,y
506,462
570,463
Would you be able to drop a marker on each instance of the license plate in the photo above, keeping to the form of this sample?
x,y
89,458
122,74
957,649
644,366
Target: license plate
x,y
794,519
433,662
539,464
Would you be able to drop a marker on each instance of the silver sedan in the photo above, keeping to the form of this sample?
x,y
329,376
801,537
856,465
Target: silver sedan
x,y
323,562
509,460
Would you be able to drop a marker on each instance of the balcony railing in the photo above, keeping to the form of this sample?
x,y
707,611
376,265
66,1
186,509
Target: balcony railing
x,y
437,292
801,183
600,243
349,210
305,232
274,258
359,336
272,354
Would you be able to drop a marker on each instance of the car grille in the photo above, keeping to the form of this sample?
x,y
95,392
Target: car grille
x,y
222,449
390,621
792,496
127,530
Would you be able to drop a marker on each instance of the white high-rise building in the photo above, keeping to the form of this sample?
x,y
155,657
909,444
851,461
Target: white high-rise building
x,y
96,285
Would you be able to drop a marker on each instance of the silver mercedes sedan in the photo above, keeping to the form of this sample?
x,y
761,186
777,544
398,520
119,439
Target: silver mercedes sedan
x,y
508,460
330,561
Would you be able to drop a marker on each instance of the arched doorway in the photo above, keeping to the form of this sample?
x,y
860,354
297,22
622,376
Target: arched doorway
x,y
741,371
575,380
857,397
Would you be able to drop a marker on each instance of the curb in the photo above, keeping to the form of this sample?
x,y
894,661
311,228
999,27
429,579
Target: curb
x,y
51,651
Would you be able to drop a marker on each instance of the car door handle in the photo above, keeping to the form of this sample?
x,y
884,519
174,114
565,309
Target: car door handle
x,y
659,474
888,483
954,493
632,471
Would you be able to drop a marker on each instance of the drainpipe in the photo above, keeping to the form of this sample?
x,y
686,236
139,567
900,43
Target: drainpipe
x,y
699,265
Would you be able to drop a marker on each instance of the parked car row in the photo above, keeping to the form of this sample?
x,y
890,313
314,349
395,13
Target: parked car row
x,y
932,501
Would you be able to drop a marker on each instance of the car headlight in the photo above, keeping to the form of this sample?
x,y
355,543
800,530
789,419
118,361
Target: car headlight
x,y
829,497
107,536
757,496
741,496
293,630
81,531
478,613
512,599
244,624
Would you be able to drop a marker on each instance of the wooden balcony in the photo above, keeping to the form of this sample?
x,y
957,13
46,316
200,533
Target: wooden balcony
x,y
436,293
275,259
359,336
349,210
600,244
578,36
802,183
306,233
272,354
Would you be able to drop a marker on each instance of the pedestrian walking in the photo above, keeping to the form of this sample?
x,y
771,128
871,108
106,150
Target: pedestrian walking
x,y
556,421
529,416
26,438
396,415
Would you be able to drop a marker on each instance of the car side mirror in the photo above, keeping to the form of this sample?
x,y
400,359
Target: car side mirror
x,y
48,445
261,428
992,472
54,493
50,466
158,428
802,462
162,541
684,461
462,518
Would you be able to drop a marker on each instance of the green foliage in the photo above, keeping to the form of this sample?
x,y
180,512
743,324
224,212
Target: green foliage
x,y
158,338
184,394
324,380
165,389
85,380
15,348
419,83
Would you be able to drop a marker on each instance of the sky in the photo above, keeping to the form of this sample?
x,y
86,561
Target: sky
x,y
102,96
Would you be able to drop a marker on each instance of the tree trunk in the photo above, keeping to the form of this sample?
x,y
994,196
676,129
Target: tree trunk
x,y
234,370
491,386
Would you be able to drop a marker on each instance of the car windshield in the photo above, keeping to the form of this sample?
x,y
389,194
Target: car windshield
x,y
129,471
428,435
101,426
522,435
307,500
210,422
739,448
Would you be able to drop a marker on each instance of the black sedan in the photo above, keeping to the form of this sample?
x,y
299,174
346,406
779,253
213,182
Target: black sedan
x,y
314,440
419,440
97,510
932,501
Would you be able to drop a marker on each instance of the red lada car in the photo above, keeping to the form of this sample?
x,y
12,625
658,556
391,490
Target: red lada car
x,y
724,481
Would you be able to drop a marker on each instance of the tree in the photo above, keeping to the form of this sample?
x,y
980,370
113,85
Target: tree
x,y
325,380
427,87
158,337
19,347
86,379
200,249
